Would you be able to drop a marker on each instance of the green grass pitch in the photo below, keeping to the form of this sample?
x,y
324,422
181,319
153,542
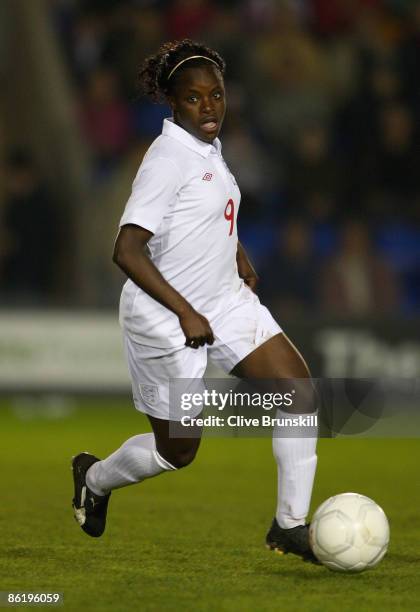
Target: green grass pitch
x,y
193,540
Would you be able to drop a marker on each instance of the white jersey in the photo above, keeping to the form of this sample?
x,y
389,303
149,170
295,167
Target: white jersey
x,y
185,194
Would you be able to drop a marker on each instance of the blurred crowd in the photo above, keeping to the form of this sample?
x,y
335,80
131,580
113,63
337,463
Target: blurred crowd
x,y
322,134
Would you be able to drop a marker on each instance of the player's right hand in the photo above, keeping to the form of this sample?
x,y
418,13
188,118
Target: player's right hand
x,y
196,328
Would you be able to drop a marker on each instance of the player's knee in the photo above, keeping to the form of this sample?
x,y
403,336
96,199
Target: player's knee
x,y
182,457
309,396
304,394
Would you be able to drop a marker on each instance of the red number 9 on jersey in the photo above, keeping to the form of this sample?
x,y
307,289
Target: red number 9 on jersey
x,y
230,214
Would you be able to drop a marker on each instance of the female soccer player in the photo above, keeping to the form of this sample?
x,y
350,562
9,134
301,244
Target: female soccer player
x,y
189,297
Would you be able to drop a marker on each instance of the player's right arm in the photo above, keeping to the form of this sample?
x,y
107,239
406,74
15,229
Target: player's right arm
x,y
130,255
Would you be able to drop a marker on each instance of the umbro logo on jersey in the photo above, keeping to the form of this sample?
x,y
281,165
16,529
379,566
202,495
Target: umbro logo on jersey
x,y
208,176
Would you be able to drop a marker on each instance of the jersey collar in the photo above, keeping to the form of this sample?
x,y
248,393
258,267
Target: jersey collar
x,y
178,133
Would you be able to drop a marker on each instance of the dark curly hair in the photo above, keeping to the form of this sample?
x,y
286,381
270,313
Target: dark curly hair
x,y
155,70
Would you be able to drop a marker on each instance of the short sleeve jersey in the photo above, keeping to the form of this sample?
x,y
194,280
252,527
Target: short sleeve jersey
x,y
186,196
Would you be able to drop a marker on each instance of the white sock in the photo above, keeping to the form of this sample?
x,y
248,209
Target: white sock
x,y
296,464
136,460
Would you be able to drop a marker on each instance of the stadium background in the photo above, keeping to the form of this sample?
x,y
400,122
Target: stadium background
x,y
322,134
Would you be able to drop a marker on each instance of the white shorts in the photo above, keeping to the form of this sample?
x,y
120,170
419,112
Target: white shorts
x,y
243,326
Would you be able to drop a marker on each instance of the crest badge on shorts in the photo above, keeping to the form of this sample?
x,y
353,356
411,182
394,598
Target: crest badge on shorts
x,y
150,394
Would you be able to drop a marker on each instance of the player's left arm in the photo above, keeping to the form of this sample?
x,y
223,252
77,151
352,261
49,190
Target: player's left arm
x,y
245,268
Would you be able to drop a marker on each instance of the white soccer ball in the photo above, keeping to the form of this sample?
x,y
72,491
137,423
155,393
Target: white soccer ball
x,y
349,533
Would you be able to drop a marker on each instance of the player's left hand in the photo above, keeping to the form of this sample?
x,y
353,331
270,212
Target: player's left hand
x,y
245,268
251,281
248,274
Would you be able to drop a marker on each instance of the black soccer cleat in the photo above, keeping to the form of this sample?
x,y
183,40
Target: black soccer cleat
x,y
294,540
89,509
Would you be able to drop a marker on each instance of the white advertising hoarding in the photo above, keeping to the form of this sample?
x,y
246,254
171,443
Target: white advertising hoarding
x,y
61,350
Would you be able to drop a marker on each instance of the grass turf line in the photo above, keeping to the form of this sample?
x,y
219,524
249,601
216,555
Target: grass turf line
x,y
192,540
